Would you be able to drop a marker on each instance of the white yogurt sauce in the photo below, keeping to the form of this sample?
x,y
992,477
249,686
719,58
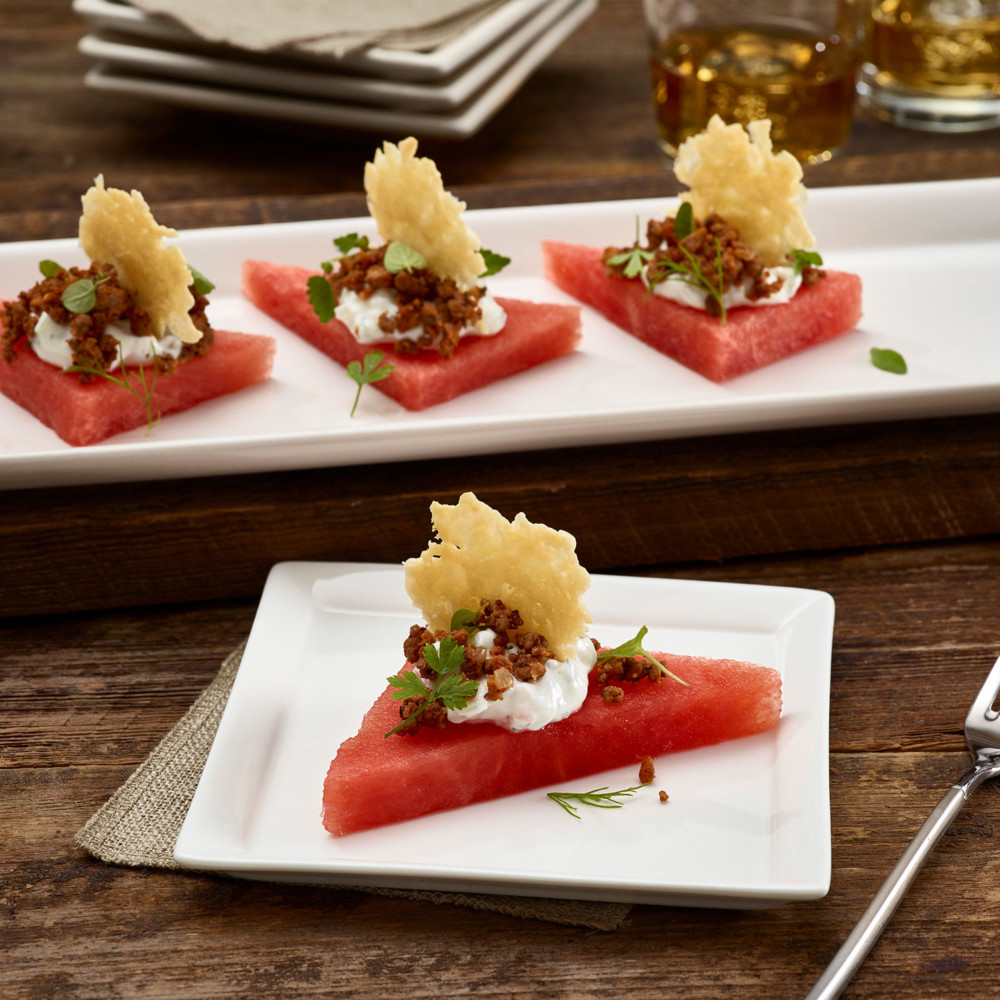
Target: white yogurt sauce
x,y
50,342
532,705
360,316
678,290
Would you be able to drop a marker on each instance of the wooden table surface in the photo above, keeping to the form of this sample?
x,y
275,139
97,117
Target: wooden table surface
x,y
118,603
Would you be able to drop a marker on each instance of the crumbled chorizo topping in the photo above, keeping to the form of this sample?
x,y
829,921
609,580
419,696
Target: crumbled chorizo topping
x,y
725,260
91,345
647,771
612,693
517,654
423,299
614,671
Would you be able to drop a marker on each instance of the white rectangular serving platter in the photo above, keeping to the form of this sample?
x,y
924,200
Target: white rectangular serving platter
x,y
398,64
231,68
928,255
747,823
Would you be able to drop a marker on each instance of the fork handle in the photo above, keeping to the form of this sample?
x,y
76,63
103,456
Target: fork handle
x,y
862,939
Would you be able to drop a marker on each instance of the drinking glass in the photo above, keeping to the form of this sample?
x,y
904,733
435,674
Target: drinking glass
x,y
792,61
933,64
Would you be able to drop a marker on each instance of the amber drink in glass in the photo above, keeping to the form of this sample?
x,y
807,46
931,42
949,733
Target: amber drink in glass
x,y
792,62
933,64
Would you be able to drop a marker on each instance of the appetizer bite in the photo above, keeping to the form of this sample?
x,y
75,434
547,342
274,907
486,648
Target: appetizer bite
x,y
95,351
417,298
731,282
503,690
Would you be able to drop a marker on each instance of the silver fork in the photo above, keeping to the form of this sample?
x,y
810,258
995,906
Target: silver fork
x,y
982,734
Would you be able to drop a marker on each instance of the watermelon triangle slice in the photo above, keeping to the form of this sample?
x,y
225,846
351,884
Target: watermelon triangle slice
x,y
534,333
753,336
90,413
374,780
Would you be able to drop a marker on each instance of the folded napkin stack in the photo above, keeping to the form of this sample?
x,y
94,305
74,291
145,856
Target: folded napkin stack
x,y
327,27
422,67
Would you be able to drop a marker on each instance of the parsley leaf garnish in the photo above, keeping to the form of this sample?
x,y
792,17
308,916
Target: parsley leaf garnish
x,y
321,297
402,257
50,268
888,360
367,371
345,244
495,263
633,647
634,260
145,396
201,284
450,686
805,258
600,798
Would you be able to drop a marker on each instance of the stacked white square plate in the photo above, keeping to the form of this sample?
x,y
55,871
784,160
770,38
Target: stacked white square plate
x,y
450,91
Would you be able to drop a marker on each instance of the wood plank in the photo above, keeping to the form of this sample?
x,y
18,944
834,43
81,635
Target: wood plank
x,y
645,504
128,933
585,114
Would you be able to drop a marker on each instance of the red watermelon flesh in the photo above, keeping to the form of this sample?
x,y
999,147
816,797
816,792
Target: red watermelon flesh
x,y
753,336
87,414
374,780
534,333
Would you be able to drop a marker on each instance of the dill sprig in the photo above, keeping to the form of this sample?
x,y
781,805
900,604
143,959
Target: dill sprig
x,y
691,273
145,396
600,798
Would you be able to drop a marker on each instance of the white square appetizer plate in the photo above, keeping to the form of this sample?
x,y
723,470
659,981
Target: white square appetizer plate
x,y
747,824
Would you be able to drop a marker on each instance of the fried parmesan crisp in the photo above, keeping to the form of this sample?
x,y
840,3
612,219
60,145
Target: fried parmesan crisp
x,y
480,556
118,228
407,200
734,172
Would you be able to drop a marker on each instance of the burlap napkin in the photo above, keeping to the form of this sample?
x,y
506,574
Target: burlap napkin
x,y
325,27
140,823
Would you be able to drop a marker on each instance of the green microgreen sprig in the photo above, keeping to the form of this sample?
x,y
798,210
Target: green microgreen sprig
x,y
632,648
464,618
632,261
81,295
600,798
145,396
802,259
495,262
402,257
345,244
370,369
450,687
202,285
690,270
50,268
888,360
321,297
